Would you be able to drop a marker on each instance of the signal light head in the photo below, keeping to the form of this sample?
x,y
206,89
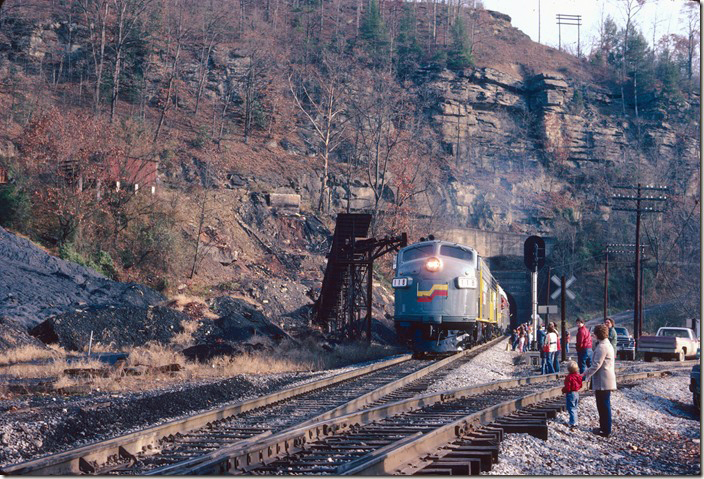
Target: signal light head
x,y
433,265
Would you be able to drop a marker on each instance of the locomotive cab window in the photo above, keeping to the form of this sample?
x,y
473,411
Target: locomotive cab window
x,y
419,252
455,252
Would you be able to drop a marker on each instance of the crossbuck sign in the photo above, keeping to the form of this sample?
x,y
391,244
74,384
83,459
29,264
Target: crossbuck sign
x,y
568,283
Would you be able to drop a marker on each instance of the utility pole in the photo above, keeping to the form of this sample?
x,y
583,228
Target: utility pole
x,y
539,35
563,338
573,20
606,282
639,210
547,298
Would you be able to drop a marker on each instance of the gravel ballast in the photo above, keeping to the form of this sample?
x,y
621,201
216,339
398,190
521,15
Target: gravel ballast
x,y
656,428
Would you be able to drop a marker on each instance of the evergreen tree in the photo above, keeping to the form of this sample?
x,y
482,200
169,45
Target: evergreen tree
x,y
667,71
372,33
408,50
640,69
459,56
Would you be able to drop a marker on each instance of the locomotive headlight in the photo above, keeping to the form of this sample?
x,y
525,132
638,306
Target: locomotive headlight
x,y
433,265
466,282
399,282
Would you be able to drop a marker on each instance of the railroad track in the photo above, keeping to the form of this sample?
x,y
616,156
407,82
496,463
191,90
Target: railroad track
x,y
396,437
185,443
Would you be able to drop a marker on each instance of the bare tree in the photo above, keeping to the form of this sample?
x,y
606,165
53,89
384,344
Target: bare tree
x,y
377,117
179,33
321,98
128,12
691,20
213,23
96,14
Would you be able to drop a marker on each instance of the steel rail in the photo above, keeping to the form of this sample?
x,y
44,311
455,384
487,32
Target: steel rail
x,y
393,459
76,460
366,400
294,440
378,394
243,459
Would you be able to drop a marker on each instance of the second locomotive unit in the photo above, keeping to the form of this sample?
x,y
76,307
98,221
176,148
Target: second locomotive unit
x,y
446,299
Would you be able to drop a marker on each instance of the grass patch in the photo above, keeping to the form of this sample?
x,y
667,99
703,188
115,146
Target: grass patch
x,y
30,353
145,360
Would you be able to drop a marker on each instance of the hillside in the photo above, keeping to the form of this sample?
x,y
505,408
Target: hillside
x,y
429,118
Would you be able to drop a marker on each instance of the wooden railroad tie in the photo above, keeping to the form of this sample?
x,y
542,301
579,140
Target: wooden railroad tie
x,y
476,451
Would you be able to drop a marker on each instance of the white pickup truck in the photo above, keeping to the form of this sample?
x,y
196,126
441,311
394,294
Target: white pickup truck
x,y
669,342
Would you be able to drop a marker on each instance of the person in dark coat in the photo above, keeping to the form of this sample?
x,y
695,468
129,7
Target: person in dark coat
x,y
583,345
613,335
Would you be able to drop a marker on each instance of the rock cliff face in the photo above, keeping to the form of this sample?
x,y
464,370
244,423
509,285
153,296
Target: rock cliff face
x,y
506,133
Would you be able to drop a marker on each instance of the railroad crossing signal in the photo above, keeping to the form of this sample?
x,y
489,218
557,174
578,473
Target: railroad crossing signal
x,y
557,292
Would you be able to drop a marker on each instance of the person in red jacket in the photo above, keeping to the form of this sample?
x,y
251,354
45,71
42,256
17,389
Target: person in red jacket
x,y
584,346
573,383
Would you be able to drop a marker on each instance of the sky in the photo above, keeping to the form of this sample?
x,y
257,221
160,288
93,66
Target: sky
x,y
665,14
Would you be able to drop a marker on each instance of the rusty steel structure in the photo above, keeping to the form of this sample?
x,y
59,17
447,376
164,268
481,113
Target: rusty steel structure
x,y
345,302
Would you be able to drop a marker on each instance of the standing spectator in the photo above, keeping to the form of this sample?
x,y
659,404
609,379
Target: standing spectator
x,y
567,342
529,339
521,341
541,343
573,383
604,378
513,340
613,335
583,346
556,356
551,342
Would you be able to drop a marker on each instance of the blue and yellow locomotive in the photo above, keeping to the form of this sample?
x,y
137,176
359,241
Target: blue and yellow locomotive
x,y
446,299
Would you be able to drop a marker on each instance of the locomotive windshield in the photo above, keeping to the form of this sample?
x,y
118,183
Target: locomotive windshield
x,y
455,252
419,252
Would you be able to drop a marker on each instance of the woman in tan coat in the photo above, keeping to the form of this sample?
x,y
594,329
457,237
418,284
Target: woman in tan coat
x,y
603,378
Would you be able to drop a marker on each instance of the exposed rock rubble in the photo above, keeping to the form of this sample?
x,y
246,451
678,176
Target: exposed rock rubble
x,y
35,285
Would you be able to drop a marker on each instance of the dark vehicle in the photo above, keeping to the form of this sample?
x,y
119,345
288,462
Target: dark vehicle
x,y
446,299
625,344
695,383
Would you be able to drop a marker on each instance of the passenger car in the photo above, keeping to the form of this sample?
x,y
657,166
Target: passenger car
x,y
625,344
695,383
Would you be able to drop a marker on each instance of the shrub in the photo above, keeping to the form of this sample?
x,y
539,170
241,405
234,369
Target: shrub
x,y
102,263
202,138
14,206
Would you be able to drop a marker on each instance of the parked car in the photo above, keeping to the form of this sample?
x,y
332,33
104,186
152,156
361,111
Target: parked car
x,y
695,383
625,344
670,343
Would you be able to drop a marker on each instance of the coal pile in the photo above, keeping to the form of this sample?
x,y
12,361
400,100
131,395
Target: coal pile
x,y
119,326
239,321
13,335
35,285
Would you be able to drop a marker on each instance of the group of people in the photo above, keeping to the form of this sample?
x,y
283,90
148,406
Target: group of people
x,y
521,338
550,347
595,362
